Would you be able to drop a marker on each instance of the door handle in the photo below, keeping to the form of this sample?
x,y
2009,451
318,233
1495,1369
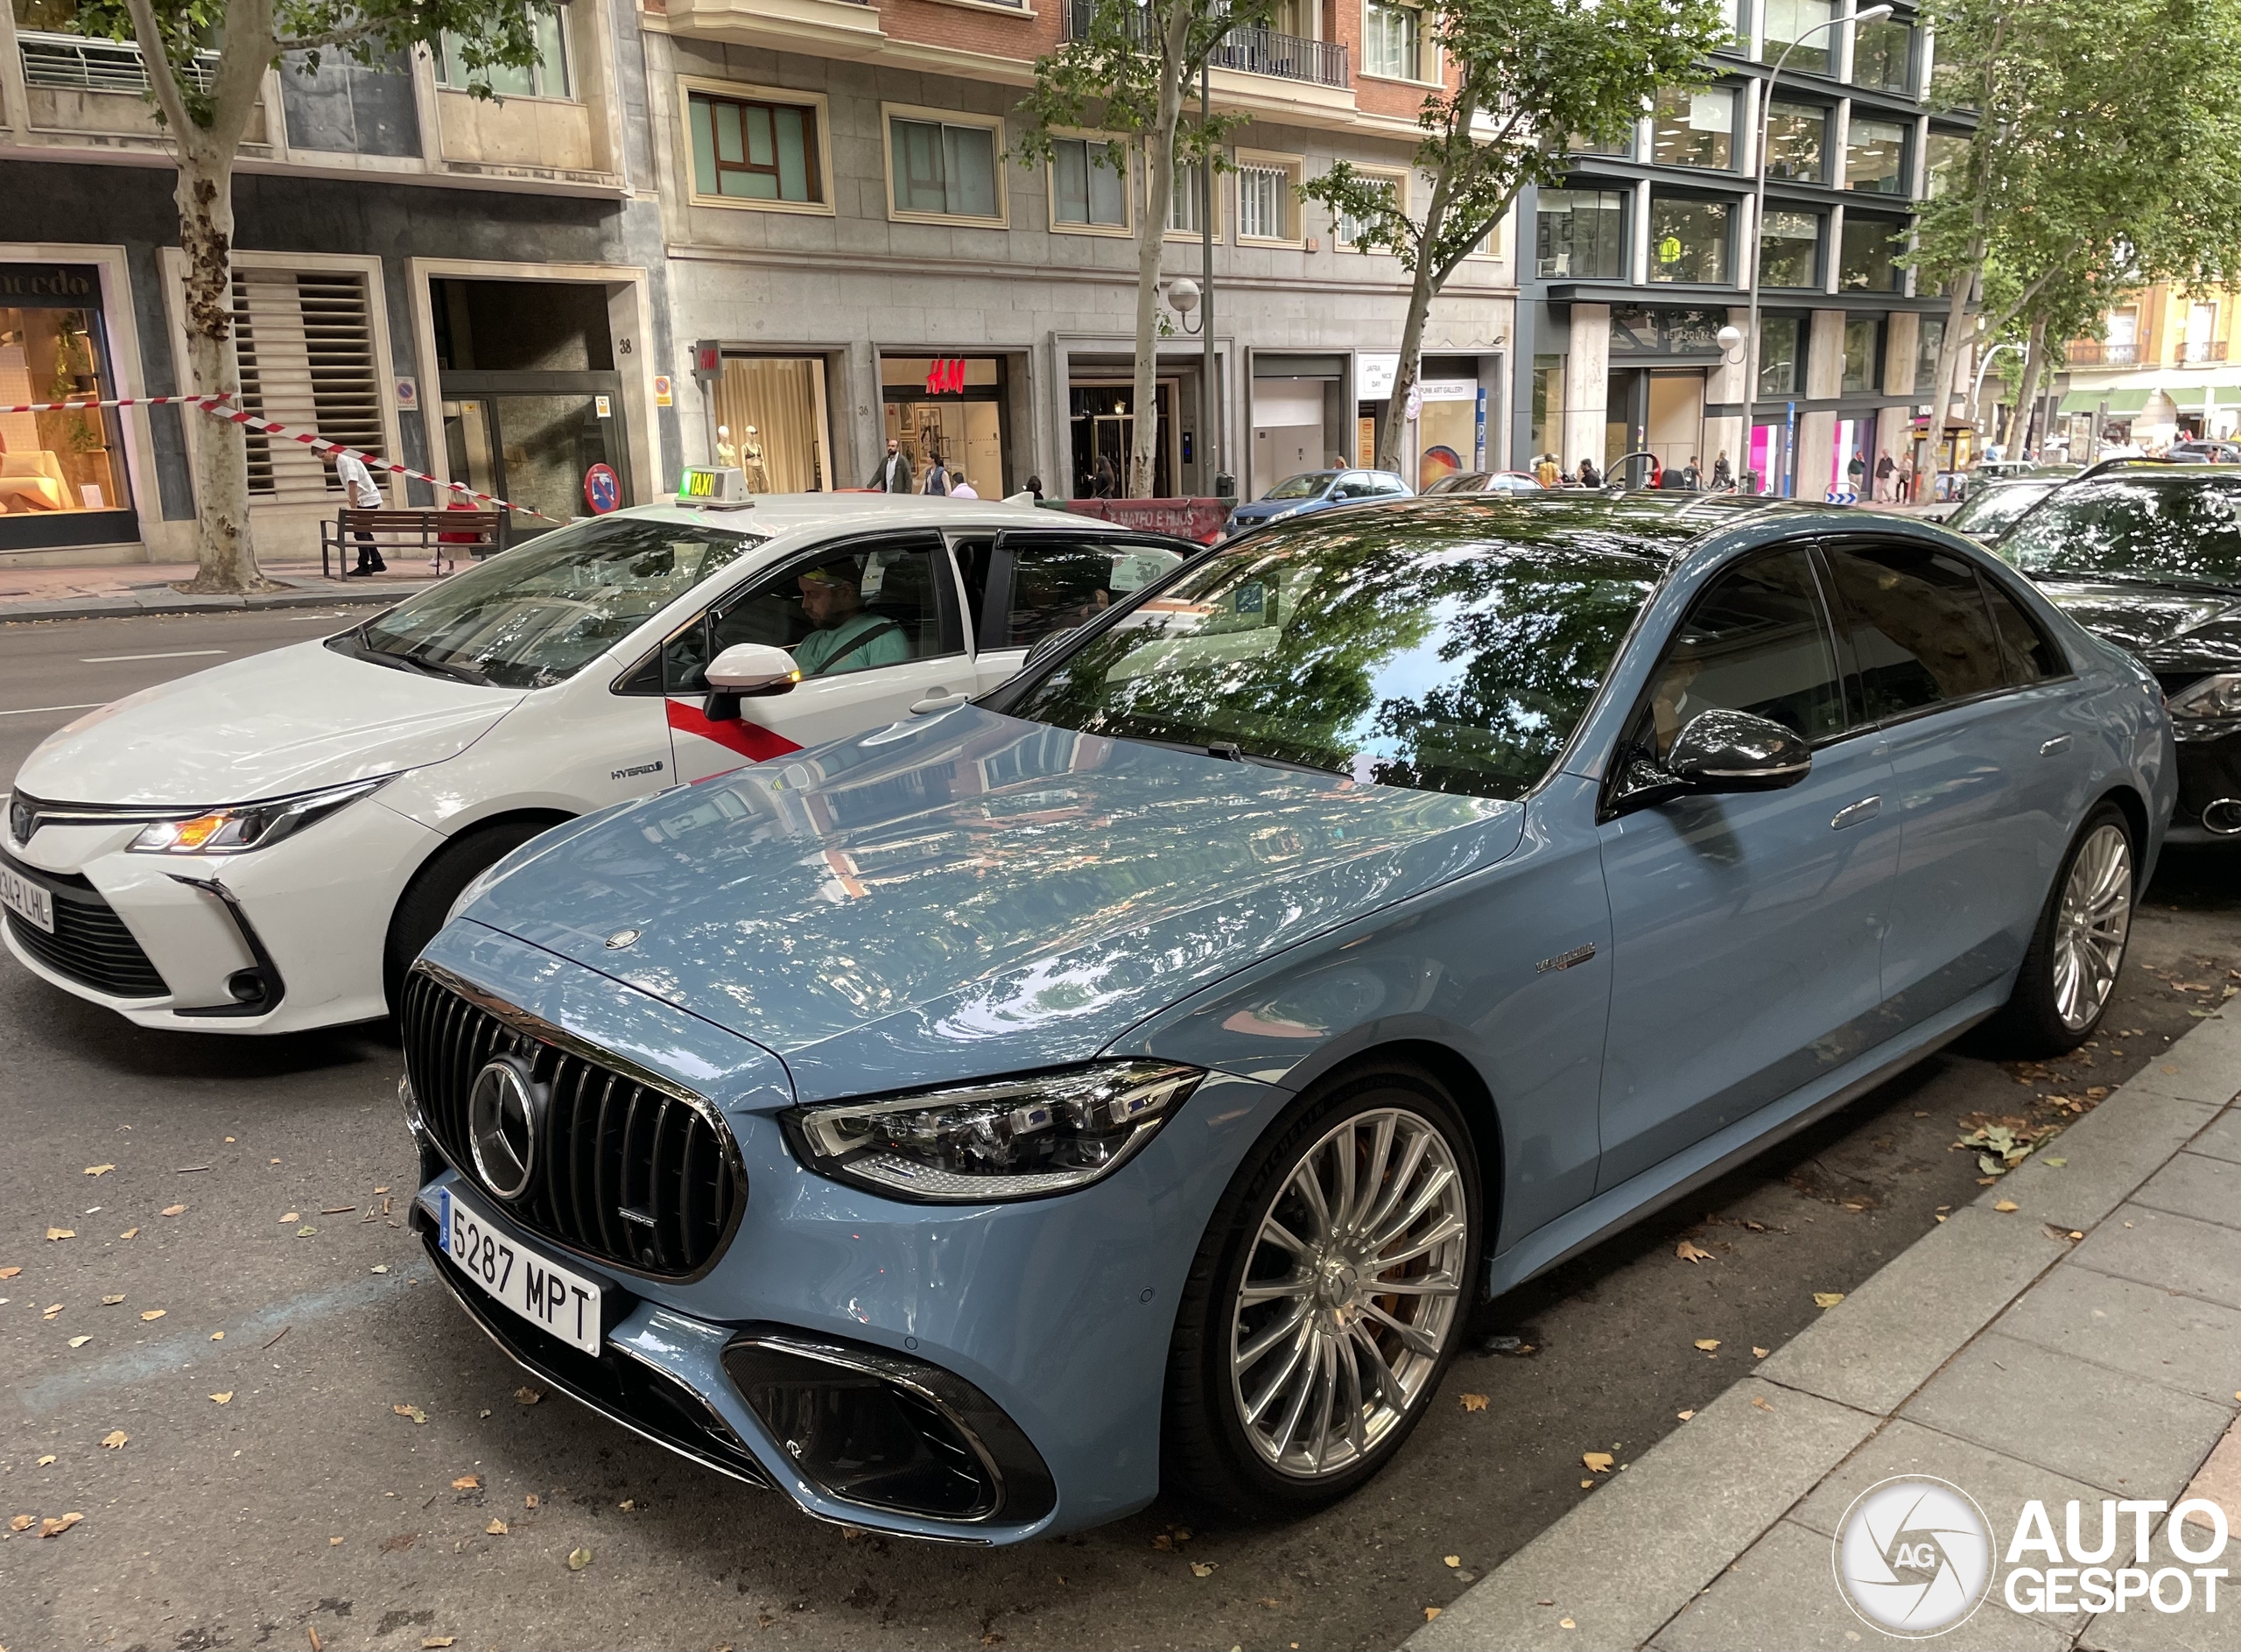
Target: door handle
x,y
1853,813
938,699
2060,742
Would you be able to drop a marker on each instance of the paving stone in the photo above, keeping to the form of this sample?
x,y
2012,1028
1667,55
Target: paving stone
x,y
2202,1259
2129,1437
1782,1597
1625,1561
2222,1139
2144,1331
1890,1336
2106,1156
2139,1627
2196,1184
2202,1065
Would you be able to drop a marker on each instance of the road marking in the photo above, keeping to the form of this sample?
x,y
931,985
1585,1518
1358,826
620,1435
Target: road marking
x,y
184,653
25,711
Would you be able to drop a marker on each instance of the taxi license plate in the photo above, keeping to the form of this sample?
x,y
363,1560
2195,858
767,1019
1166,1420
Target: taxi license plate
x,y
34,903
554,1299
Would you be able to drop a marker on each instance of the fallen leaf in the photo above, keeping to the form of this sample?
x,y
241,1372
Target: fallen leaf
x,y
292,1216
23,1523
217,1336
1587,1485
381,1190
1708,1343
1163,1543
1474,1402
1688,1252
1451,1560
99,1169
413,1411
2054,1163
1599,1461
1431,1613
1566,1623
399,1543
1759,1401
1761,1354
436,1643
334,1543
169,1209
115,1439
79,1342
129,1232
2007,1205
526,1395
51,1312
1827,1298
1684,1415
579,1559
111,1302
531,1501
62,1232
56,1528
467,1483
49,1458
306,1232
1203,1568
227,1398
154,1313
628,1503
9,1273
381,1268
497,1528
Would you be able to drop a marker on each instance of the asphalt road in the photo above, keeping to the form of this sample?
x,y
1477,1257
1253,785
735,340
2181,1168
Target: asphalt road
x,y
304,1502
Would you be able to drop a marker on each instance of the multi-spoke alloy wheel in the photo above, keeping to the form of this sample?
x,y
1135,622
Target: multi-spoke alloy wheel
x,y
2091,924
1351,1291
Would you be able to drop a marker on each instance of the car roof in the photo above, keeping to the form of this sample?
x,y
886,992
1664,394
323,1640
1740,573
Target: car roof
x,y
771,515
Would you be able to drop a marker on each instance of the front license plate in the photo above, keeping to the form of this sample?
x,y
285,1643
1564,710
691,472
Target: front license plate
x,y
34,903
550,1297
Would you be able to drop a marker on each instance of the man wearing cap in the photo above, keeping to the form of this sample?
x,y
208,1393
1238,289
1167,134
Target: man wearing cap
x,y
846,638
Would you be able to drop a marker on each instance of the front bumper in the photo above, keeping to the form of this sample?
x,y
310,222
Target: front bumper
x,y
2209,773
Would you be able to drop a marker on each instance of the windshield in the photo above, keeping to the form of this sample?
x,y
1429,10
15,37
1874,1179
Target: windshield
x,y
1461,482
2181,528
1308,487
1446,660
1987,513
536,615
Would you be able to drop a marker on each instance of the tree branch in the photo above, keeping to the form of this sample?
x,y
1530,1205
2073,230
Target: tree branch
x,y
156,59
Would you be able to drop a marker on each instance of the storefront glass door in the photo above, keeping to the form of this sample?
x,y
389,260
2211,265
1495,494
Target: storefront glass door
x,y
1105,428
953,409
534,451
61,474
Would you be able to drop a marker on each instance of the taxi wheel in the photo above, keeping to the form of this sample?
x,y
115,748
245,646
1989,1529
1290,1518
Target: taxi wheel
x,y
428,899
1327,1298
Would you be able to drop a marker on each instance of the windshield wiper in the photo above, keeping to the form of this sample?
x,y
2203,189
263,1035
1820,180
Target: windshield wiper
x,y
448,668
1230,751
2119,576
417,663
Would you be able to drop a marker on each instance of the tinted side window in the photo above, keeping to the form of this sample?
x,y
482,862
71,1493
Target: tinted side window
x,y
1756,641
1058,581
856,611
1920,631
2031,657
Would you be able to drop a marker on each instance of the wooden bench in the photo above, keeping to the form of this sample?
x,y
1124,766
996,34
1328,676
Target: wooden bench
x,y
428,533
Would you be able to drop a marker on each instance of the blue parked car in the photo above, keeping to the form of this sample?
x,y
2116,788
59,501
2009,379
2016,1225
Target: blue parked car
x,y
1315,490
1134,1077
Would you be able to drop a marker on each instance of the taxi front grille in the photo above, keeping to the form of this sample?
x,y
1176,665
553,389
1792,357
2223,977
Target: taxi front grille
x,y
623,1172
89,943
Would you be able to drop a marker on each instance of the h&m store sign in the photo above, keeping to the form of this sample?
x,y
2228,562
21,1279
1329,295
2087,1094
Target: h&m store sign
x,y
42,286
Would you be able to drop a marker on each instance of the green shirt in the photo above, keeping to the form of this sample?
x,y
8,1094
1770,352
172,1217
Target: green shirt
x,y
889,645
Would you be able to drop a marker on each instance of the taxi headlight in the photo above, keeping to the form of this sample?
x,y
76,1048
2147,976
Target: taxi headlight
x,y
1012,1138
243,826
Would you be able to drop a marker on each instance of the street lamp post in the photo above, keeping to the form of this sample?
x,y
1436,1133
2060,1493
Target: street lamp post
x,y
1759,224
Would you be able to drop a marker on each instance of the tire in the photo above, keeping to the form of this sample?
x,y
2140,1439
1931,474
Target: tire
x,y
2077,950
421,910
1274,1439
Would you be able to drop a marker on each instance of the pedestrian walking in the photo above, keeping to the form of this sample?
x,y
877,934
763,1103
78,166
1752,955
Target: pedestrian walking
x,y
936,482
1589,476
1722,473
961,487
1691,478
894,472
1907,479
1545,470
358,490
1855,473
1884,470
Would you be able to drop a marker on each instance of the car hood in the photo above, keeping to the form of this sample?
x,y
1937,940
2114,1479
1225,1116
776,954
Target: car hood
x,y
2170,628
970,894
1263,510
291,719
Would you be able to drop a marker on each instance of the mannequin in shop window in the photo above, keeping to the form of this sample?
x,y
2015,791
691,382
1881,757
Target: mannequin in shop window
x,y
750,463
726,449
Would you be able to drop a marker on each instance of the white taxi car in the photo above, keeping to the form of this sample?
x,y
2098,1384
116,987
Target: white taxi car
x,y
264,847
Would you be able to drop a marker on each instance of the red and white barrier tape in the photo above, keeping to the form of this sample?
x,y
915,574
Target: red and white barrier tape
x,y
223,407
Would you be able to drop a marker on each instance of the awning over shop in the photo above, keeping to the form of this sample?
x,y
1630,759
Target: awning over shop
x,y
2119,401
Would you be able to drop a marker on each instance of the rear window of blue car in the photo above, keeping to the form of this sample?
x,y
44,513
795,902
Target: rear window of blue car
x,y
1429,649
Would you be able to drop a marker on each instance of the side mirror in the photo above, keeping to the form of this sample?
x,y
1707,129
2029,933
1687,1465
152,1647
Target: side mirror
x,y
1049,643
747,671
1735,751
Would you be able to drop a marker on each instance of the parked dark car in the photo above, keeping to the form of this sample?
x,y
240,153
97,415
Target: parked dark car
x,y
1993,506
2150,558
1486,481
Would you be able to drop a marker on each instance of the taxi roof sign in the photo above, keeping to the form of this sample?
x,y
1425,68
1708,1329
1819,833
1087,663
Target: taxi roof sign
x,y
717,486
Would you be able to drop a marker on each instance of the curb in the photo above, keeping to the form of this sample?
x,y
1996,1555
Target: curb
x,y
177,602
1707,1492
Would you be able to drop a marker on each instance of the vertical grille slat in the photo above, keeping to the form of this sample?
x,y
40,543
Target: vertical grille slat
x,y
612,1144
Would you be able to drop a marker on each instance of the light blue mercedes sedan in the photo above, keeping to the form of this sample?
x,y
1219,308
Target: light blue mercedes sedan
x,y
1132,1078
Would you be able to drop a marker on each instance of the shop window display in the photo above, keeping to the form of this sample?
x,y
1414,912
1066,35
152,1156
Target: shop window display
x,y
771,415
54,463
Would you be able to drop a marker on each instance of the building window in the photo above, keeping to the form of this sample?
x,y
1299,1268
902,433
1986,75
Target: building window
x,y
1688,239
1927,343
1548,404
1730,13
1868,262
1883,55
754,149
1694,129
1790,21
1186,206
945,169
1267,190
1797,141
52,348
1618,148
1780,359
1089,183
1580,235
1948,162
1863,354
547,77
1789,250
1875,157
1392,186
1393,41
307,360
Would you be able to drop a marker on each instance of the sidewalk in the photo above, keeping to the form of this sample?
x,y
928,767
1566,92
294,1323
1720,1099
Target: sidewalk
x,y
2075,1334
144,587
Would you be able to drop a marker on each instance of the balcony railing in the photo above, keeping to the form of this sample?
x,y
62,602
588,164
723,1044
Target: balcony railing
x,y
1288,56
88,65
2207,350
2094,352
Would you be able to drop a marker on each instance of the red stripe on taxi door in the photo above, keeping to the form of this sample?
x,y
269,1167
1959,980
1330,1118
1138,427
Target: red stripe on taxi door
x,y
752,741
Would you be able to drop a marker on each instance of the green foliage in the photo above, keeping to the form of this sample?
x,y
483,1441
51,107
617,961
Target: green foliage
x,y
1530,78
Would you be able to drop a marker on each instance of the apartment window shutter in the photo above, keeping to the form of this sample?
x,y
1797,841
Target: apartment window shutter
x,y
306,348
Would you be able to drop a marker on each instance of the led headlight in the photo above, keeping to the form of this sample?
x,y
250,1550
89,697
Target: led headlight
x,y
250,826
2207,710
1012,1138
